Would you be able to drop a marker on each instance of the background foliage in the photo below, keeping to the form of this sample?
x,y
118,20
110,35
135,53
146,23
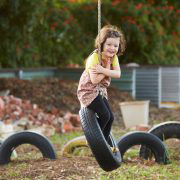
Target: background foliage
x,y
57,33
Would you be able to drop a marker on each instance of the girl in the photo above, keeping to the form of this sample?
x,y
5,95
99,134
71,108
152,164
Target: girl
x,y
92,89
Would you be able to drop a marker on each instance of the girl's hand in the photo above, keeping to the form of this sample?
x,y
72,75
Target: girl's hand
x,y
98,69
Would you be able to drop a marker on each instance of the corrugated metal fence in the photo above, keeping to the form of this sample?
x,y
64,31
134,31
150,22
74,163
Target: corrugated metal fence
x,y
148,84
170,84
157,84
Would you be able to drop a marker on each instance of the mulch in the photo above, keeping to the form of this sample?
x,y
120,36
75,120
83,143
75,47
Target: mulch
x,y
61,94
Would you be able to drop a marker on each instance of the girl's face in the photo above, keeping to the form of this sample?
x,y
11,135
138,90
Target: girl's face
x,y
111,46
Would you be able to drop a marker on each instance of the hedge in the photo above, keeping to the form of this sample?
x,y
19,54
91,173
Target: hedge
x,y
58,33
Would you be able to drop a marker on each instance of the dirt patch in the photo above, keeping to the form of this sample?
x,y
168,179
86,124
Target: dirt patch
x,y
62,168
53,92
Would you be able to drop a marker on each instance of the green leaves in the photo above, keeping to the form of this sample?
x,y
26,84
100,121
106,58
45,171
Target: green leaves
x,y
56,33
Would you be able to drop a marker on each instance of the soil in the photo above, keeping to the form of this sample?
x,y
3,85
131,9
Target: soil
x,y
53,92
75,167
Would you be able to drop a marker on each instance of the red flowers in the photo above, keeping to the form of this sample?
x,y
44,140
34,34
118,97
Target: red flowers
x,y
115,2
139,6
54,25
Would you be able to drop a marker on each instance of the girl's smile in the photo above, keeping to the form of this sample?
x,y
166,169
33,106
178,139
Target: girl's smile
x,y
111,46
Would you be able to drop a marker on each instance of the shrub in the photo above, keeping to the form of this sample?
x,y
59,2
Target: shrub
x,y
57,33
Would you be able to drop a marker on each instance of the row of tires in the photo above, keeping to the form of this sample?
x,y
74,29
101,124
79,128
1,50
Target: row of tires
x,y
151,142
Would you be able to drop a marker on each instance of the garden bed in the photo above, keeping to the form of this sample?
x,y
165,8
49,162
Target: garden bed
x,y
61,94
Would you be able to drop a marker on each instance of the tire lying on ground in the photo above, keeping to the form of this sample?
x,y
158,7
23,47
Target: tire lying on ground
x,y
71,145
107,160
163,131
143,138
14,154
26,137
77,142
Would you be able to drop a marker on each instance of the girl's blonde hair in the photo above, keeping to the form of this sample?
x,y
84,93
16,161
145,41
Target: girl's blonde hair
x,y
110,31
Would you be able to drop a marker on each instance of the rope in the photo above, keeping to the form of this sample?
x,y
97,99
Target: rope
x,y
99,43
99,28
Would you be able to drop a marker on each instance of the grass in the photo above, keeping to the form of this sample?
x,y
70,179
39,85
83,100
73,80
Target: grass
x,y
30,165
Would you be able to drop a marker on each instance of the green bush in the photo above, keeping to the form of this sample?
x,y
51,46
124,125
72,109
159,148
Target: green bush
x,y
57,33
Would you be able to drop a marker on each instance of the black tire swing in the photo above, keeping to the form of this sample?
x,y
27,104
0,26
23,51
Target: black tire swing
x,y
107,160
163,131
26,137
